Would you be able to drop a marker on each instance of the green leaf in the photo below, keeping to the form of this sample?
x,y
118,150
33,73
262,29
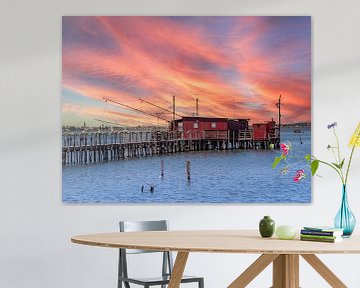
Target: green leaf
x,y
308,157
342,163
336,165
276,161
314,167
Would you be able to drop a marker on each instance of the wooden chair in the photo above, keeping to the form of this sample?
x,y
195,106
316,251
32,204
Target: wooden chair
x,y
167,262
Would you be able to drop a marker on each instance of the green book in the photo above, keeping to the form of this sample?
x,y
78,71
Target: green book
x,y
325,240
319,236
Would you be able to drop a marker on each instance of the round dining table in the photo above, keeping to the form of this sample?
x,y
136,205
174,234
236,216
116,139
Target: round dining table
x,y
283,254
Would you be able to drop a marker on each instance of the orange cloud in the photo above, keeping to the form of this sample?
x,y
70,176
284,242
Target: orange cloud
x,y
232,69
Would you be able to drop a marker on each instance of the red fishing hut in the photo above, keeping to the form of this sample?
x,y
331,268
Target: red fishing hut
x,y
264,131
210,128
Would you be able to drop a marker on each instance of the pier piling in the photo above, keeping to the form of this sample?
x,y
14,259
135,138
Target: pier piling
x,y
162,169
188,170
88,148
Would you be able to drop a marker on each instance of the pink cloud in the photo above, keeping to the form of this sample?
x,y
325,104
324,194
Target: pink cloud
x,y
157,58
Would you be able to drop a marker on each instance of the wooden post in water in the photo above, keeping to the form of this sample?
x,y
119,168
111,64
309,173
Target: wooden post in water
x,y
188,174
278,105
162,169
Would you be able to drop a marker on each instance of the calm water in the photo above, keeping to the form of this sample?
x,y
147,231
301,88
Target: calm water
x,y
233,176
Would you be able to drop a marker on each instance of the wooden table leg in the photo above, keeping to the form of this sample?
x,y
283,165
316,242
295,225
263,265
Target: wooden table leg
x,y
293,264
178,270
286,271
324,271
253,270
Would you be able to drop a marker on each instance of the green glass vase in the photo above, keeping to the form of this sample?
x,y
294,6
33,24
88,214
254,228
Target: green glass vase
x,y
266,227
345,219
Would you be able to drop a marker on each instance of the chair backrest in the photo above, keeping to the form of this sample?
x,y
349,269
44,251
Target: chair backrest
x,y
133,226
137,226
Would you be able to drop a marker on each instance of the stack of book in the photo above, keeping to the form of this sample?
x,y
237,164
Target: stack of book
x,y
321,234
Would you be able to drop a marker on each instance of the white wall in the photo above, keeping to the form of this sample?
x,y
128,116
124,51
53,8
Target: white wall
x,y
35,227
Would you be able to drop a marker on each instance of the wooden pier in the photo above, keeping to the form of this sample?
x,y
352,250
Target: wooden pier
x,y
84,148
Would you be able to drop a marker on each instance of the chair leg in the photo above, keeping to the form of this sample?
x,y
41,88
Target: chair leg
x,y
201,283
119,270
126,284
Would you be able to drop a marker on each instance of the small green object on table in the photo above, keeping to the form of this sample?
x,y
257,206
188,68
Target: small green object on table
x,y
285,232
266,227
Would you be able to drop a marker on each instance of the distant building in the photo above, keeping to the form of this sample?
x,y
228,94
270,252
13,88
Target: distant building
x,y
239,129
210,128
263,131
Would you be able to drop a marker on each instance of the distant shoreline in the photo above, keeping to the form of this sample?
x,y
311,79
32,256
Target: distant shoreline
x,y
154,128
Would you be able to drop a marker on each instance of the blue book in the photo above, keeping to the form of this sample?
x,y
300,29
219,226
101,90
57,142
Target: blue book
x,y
322,231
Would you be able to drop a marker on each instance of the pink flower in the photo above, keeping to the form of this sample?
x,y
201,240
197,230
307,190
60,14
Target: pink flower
x,y
300,175
284,148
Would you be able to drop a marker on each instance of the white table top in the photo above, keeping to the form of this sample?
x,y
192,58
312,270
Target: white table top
x,y
216,241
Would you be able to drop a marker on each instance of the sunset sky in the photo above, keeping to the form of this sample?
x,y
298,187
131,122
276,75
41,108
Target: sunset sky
x,y
235,66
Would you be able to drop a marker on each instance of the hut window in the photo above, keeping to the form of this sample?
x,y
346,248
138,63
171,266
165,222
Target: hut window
x,y
196,125
213,124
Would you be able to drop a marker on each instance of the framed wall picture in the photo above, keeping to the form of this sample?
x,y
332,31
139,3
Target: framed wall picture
x,y
191,109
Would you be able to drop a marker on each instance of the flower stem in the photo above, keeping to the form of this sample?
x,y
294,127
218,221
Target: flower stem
x,y
337,144
333,152
338,150
348,167
332,166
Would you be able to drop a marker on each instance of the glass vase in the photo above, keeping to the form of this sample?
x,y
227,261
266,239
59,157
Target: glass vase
x,y
345,219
